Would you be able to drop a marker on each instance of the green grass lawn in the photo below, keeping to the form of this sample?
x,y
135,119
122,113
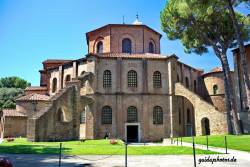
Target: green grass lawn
x,y
91,147
241,142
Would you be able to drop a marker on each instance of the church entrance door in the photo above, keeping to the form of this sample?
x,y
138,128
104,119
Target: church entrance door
x,y
132,133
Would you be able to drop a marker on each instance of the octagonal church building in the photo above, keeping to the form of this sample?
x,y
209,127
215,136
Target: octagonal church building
x,y
123,88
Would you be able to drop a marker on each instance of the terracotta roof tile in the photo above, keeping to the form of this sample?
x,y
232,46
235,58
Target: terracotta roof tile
x,y
56,61
217,69
34,97
13,113
136,55
36,88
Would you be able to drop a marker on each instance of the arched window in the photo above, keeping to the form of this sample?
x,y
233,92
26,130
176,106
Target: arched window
x,y
215,89
60,115
188,116
63,115
187,82
107,79
83,117
132,114
99,47
68,78
132,78
54,85
157,79
157,115
195,88
126,45
151,48
106,115
205,126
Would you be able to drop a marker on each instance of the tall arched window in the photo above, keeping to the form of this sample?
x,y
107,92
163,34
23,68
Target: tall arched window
x,y
157,79
106,115
195,86
126,45
187,82
215,89
132,114
188,116
54,85
151,48
68,78
64,115
205,126
83,117
99,47
157,115
60,115
107,79
132,78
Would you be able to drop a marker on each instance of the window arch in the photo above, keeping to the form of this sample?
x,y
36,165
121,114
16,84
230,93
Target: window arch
x,y
126,45
107,79
83,117
187,82
67,78
60,115
54,85
99,47
132,78
151,48
205,126
215,89
157,79
106,115
157,115
188,116
63,115
132,115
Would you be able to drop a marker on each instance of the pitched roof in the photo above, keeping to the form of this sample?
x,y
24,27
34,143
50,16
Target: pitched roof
x,y
217,69
36,88
34,97
56,61
13,113
124,25
131,56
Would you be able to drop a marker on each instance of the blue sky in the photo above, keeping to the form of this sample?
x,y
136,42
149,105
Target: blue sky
x,y
32,31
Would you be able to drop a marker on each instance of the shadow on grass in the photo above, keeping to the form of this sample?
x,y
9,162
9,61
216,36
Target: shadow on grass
x,y
31,149
25,160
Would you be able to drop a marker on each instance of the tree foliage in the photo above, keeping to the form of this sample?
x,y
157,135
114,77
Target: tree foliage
x,y
10,89
200,24
13,82
8,97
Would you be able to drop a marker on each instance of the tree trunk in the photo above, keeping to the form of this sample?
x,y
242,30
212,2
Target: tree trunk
x,y
230,94
242,53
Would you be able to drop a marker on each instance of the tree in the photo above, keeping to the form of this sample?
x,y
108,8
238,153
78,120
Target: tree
x,y
200,25
8,97
242,53
13,82
10,89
